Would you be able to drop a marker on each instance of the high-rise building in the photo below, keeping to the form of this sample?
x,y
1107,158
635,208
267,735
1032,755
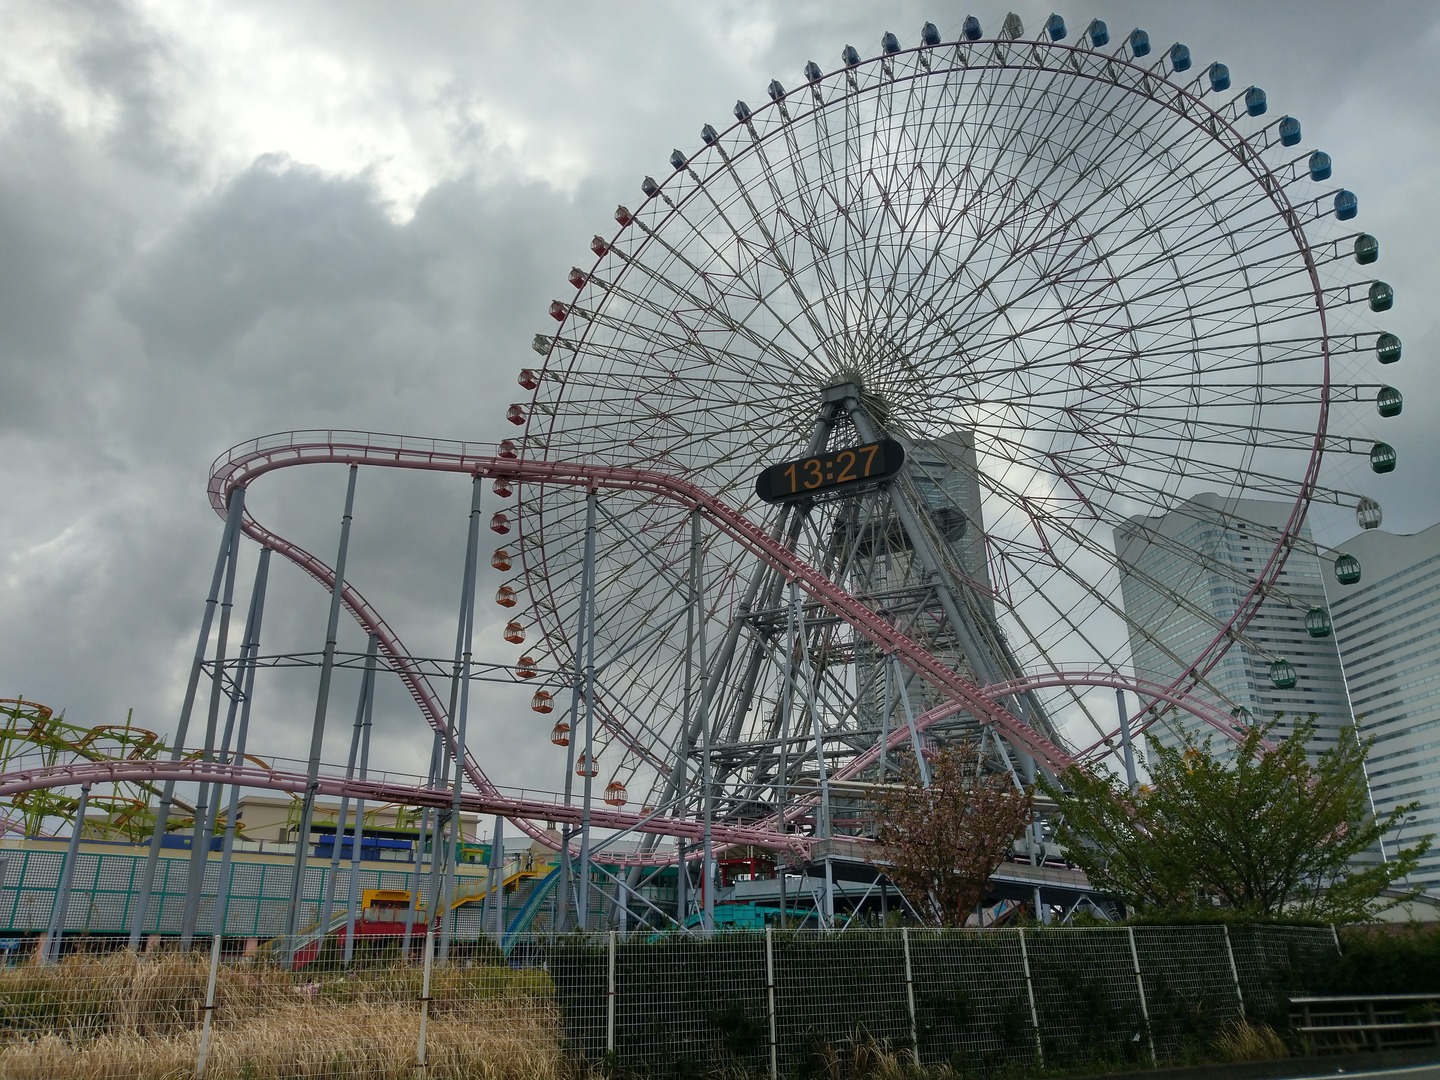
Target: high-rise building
x,y
1388,629
1183,575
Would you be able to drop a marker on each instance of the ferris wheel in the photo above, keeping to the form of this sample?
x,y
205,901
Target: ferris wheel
x,y
983,310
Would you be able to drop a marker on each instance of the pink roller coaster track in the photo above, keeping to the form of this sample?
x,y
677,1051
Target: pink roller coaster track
x,y
248,461
244,463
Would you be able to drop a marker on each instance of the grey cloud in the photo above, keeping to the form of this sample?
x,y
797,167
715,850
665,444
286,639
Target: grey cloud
x,y
136,72
279,236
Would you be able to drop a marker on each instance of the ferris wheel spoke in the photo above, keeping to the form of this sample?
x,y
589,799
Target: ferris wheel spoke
x,y
1096,279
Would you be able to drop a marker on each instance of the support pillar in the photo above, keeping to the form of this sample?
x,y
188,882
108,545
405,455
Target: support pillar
x,y
1125,745
464,650
582,903
317,731
707,794
357,835
60,909
228,542
249,648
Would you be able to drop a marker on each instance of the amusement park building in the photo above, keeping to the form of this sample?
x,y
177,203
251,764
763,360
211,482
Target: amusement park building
x,y
1388,628
1176,602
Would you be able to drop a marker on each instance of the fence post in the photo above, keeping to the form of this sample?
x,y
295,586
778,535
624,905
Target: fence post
x,y
910,996
204,1051
1140,985
1234,971
770,1000
1030,993
1336,935
610,1001
425,997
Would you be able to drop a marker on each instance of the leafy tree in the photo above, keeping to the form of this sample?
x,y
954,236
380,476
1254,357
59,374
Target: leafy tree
x,y
944,841
1267,833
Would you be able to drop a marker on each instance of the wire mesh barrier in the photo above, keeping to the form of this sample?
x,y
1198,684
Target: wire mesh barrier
x,y
761,1003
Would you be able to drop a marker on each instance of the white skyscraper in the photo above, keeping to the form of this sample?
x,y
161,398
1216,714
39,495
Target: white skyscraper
x,y
1388,629
1182,577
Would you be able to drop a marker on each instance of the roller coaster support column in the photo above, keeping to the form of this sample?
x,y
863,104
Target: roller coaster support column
x,y
232,711
357,835
200,827
464,634
228,543
682,883
328,908
497,879
50,949
707,793
317,731
1125,744
249,648
582,904
414,904
564,895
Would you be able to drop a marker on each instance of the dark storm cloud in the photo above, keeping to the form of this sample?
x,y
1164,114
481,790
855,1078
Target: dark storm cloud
x,y
62,236
132,69
279,238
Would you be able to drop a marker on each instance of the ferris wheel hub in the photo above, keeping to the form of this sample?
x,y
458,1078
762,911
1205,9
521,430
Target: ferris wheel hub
x,y
838,392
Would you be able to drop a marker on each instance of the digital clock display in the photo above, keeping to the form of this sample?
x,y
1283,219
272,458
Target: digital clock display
x,y
821,473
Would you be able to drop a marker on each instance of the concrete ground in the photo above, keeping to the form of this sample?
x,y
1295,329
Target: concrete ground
x,y
1400,1064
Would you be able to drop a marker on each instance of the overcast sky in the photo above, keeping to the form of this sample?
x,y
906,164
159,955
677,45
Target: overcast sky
x,y
219,220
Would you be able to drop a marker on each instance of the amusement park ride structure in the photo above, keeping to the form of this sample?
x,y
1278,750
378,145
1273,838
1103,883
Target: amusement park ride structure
x,y
1056,287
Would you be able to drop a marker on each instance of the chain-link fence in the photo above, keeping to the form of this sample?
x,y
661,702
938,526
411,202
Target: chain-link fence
x,y
766,1003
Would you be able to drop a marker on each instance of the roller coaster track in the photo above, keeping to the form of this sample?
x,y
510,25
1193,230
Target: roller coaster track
x,y
247,462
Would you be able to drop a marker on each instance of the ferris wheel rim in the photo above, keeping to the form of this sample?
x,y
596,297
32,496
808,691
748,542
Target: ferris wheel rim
x,y
1241,150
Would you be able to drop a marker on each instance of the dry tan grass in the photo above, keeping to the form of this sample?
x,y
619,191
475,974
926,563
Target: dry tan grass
x,y
1249,1040
120,1016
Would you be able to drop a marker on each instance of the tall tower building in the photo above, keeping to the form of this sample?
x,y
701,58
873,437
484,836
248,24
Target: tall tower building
x,y
1388,629
1183,575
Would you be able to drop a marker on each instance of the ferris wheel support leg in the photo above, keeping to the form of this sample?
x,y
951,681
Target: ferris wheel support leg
x,y
782,776
248,650
768,596
200,826
726,652
583,898
822,823
1125,744
357,834
60,909
228,544
464,650
882,765
915,746
317,731
982,662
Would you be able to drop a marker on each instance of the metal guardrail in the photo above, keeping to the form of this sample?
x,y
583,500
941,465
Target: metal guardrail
x,y
1339,1023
